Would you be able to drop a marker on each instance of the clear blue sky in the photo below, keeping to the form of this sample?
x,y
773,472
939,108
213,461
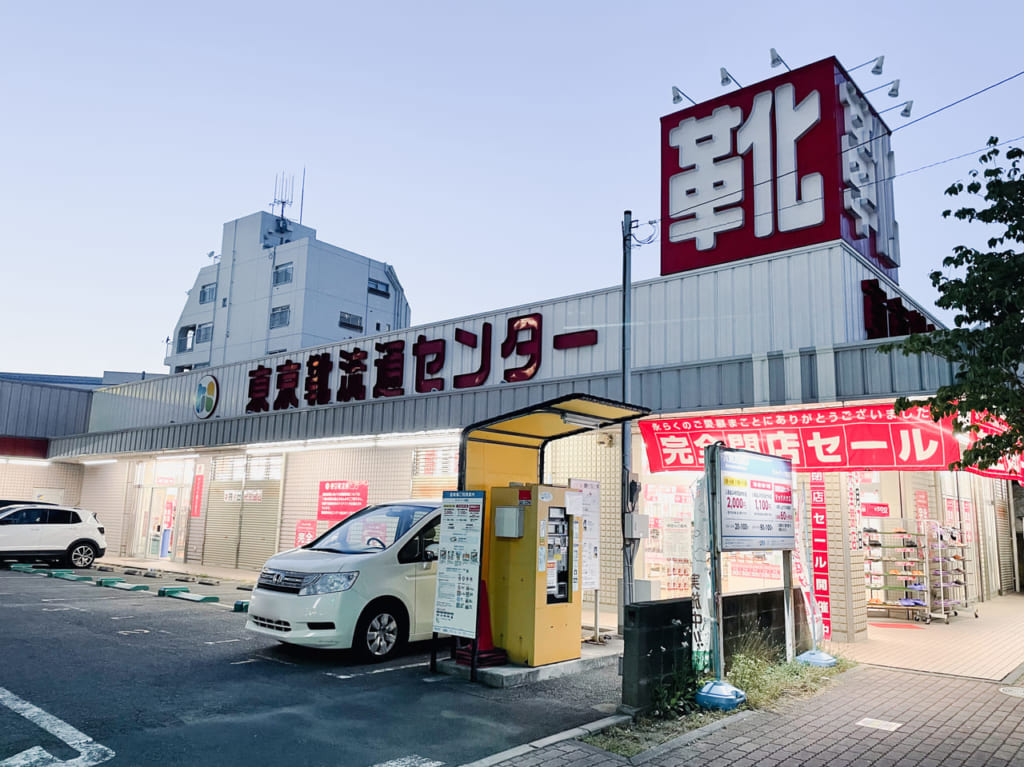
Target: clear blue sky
x,y
486,150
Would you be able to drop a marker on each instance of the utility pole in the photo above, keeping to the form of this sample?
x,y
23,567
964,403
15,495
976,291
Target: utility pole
x,y
628,544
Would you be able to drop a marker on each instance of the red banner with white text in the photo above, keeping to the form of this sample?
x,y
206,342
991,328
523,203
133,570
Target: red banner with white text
x,y
866,437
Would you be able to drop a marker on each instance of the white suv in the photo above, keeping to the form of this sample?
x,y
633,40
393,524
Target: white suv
x,y
368,583
45,532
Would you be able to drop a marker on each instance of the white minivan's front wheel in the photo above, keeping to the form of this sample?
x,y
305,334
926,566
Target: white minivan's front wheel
x,y
381,632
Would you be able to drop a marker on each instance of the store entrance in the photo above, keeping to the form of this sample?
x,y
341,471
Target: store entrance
x,y
158,533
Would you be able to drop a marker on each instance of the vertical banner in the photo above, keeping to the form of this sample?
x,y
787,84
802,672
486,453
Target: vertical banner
x,y
921,510
458,566
590,538
819,553
853,502
700,585
197,491
801,565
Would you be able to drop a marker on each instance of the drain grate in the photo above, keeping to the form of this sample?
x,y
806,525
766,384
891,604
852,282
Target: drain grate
x,y
1014,692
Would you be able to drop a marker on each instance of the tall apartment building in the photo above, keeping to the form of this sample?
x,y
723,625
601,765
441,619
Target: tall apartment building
x,y
274,288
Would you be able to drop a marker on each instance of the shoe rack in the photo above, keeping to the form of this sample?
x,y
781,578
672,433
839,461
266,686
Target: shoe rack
x,y
896,575
948,568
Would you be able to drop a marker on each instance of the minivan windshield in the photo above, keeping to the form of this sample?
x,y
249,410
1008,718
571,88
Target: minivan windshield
x,y
375,528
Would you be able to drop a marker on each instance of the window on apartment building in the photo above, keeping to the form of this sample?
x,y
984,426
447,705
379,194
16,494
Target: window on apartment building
x,y
208,293
204,333
282,274
352,321
186,339
280,316
378,288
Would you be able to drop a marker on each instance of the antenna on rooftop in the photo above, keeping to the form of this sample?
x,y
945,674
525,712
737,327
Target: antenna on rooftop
x,y
284,189
302,194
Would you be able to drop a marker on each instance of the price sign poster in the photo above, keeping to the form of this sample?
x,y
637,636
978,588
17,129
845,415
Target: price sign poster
x,y
755,502
590,558
458,565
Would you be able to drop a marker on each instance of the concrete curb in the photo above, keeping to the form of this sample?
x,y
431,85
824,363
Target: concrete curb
x,y
528,748
692,735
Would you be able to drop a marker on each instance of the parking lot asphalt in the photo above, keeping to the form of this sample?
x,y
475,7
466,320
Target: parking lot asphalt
x,y
161,681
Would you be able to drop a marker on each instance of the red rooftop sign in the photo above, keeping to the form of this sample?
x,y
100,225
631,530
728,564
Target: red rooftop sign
x,y
793,161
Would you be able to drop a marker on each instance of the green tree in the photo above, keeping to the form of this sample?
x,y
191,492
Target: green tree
x,y
986,289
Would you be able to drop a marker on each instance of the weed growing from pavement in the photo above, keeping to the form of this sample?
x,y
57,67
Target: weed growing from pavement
x,y
766,682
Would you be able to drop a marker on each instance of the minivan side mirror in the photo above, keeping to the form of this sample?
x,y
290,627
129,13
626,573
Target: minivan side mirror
x,y
430,555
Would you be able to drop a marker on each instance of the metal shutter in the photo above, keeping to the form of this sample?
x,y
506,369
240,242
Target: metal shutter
x,y
1004,540
224,512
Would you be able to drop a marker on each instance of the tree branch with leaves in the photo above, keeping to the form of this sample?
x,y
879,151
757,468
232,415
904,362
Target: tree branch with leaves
x,y
986,290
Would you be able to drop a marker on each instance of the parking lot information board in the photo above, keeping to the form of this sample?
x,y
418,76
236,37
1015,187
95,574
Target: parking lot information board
x,y
590,558
756,502
458,563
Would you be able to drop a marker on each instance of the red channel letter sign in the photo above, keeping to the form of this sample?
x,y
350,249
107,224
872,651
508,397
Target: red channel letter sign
x,y
339,498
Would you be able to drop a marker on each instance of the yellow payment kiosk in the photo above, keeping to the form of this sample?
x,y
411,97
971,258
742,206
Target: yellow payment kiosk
x,y
533,574
530,593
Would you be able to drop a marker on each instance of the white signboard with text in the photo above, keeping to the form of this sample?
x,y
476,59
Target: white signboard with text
x,y
590,538
458,563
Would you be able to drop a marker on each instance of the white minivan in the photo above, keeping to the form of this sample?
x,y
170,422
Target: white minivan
x,y
368,583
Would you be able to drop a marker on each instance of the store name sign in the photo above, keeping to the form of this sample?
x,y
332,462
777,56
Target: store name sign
x,y
394,368
870,437
793,161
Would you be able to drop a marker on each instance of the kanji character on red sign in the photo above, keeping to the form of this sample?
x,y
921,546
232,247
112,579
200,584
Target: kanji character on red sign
x,y
429,360
287,383
528,347
352,367
259,390
479,376
390,369
318,375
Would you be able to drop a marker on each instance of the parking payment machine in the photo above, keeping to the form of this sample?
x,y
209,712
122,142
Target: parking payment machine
x,y
533,574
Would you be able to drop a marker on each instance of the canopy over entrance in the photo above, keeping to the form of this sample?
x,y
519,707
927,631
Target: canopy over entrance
x,y
510,447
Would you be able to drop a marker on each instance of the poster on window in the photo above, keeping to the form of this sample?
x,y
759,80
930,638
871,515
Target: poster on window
x,y
305,532
458,565
590,537
339,498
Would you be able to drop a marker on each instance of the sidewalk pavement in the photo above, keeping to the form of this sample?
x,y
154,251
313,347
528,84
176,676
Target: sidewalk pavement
x,y
872,716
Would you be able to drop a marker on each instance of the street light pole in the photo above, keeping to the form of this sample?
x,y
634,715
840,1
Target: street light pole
x,y
628,544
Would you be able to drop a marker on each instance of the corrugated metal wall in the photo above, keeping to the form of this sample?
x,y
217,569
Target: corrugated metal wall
x,y
40,410
780,303
105,492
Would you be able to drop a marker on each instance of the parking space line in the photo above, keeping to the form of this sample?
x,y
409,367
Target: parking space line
x,y
90,752
376,671
413,760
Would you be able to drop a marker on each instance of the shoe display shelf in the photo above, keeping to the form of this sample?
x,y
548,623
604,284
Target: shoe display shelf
x,y
948,569
896,570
